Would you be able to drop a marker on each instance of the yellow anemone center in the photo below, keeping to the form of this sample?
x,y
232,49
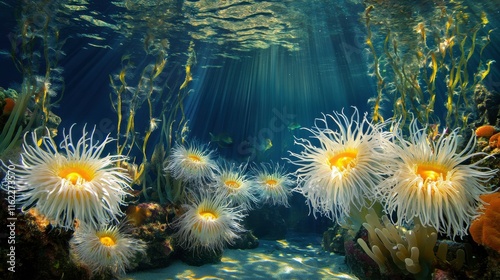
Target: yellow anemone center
x,y
107,241
232,184
430,172
208,215
76,174
343,160
194,158
271,182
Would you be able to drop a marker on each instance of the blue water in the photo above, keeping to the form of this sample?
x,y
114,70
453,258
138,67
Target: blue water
x,y
254,94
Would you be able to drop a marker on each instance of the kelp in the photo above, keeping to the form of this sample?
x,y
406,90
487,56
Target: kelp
x,y
164,109
15,126
424,58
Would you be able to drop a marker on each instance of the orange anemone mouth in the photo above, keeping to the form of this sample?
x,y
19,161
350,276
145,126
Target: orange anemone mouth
x,y
343,161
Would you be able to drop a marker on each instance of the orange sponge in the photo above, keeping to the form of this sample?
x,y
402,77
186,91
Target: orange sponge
x,y
485,131
485,230
493,142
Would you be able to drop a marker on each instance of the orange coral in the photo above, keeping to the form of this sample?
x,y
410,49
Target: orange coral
x,y
494,143
485,131
485,230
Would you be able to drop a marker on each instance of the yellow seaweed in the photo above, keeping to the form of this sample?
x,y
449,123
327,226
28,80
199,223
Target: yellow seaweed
x,y
434,68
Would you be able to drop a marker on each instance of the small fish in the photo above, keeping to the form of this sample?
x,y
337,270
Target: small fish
x,y
222,139
266,145
484,18
434,131
293,126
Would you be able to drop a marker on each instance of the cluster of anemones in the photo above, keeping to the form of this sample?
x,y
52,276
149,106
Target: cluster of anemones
x,y
75,185
354,163
219,194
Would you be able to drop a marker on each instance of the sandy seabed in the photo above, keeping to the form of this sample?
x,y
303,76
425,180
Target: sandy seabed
x,y
297,257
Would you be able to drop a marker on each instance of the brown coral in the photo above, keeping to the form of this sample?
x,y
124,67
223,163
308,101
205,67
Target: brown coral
x,y
138,214
485,230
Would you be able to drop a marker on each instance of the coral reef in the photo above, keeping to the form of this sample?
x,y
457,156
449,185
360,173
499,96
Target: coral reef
x,y
395,248
41,251
359,262
152,227
246,240
408,251
487,105
333,239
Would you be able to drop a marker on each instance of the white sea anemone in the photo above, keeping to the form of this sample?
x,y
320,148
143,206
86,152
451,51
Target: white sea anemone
x,y
342,169
76,184
208,223
274,185
433,181
193,163
230,181
107,248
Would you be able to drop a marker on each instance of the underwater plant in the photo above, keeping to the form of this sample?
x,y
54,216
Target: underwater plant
x,y
76,184
14,127
208,223
231,181
426,64
432,180
340,172
105,249
273,183
191,163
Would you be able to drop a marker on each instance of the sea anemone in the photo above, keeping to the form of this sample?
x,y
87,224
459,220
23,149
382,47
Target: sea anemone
x,y
193,163
342,170
274,185
75,185
106,249
208,223
231,181
432,181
